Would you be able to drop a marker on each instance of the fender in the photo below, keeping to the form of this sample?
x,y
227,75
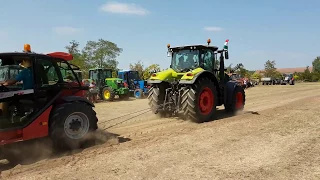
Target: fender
x,y
77,98
230,86
195,77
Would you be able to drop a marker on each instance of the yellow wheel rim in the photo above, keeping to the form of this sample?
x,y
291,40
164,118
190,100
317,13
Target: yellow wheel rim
x,y
106,94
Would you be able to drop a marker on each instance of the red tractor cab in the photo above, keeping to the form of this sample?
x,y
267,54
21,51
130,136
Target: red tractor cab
x,y
51,107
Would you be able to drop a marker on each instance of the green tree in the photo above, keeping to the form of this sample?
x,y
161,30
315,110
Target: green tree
x,y
307,74
270,69
73,48
150,69
316,65
137,67
256,75
101,54
243,72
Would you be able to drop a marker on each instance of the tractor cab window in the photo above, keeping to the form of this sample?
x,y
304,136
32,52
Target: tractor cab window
x,y
46,70
120,75
66,72
184,60
106,74
208,59
93,74
134,75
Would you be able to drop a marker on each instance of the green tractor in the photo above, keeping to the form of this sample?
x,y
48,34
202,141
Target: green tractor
x,y
194,86
107,85
67,73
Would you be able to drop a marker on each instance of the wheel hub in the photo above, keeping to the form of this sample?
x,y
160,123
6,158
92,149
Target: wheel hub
x,y
76,125
206,101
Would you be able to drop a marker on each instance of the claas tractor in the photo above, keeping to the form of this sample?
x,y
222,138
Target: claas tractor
x,y
36,102
193,87
108,86
136,85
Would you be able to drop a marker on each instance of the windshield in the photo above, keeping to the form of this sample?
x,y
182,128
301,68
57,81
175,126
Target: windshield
x,y
184,60
134,75
107,73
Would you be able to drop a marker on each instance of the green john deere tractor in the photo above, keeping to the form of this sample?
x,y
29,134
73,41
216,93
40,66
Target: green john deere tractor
x,y
108,86
194,86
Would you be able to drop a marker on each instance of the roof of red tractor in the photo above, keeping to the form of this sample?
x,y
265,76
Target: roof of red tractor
x,y
59,55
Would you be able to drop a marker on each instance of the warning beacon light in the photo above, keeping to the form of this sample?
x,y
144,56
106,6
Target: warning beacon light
x,y
168,45
209,41
27,48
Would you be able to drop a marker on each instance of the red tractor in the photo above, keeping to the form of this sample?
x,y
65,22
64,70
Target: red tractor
x,y
50,106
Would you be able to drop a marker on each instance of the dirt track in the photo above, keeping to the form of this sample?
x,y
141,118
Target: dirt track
x,y
276,137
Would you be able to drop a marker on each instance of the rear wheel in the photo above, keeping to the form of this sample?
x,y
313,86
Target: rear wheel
x,y
237,102
156,98
198,102
108,94
71,125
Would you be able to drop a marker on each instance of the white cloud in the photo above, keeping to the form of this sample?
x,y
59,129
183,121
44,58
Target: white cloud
x,y
213,29
124,8
64,30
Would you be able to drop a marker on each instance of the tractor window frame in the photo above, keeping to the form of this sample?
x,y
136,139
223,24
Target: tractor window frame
x,y
54,65
67,68
209,63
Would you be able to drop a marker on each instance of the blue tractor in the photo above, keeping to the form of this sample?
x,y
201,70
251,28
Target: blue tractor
x,y
137,87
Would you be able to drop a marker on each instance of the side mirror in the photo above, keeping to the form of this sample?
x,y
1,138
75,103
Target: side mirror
x,y
169,54
226,55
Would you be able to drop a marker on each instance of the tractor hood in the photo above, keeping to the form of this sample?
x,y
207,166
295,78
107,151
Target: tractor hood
x,y
116,80
170,74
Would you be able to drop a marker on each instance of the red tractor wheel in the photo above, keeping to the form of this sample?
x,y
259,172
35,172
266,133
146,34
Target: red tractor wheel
x,y
72,124
237,101
199,101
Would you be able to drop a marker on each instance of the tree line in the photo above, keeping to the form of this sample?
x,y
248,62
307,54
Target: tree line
x,y
270,70
103,54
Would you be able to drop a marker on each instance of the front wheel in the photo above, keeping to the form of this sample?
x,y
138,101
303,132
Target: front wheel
x,y
108,94
198,102
237,101
71,125
138,93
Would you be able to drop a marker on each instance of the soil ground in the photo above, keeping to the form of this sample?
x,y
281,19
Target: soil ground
x,y
277,136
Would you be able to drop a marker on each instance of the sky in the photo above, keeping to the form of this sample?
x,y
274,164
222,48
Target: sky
x,y
286,31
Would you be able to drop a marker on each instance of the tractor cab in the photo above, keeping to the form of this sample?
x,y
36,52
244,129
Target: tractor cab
x,y
186,58
195,58
108,85
138,87
40,95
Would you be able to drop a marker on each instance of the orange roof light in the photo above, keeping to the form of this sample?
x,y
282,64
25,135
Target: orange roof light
x,y
209,41
168,45
27,48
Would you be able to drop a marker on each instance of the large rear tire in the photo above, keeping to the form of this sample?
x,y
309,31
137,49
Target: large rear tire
x,y
156,98
198,102
72,124
237,101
